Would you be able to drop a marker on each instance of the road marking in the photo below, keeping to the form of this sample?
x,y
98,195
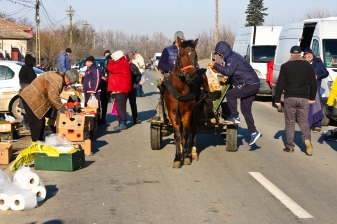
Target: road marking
x,y
288,202
152,83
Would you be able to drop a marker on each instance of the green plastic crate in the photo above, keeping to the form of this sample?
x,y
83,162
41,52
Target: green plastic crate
x,y
65,162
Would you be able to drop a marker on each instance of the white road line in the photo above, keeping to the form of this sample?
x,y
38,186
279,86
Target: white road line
x,y
152,83
288,202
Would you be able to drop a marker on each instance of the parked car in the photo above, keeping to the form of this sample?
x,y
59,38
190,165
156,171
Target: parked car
x,y
156,59
9,86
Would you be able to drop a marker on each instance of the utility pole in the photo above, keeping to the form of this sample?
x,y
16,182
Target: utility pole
x,y
216,22
86,31
37,18
71,23
95,40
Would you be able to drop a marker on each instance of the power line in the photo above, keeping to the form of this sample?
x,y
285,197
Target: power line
x,y
23,2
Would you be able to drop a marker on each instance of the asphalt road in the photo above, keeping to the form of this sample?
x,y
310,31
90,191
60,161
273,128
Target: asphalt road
x,y
127,182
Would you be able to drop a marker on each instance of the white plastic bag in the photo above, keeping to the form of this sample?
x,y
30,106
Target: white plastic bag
x,y
142,81
92,102
9,118
213,81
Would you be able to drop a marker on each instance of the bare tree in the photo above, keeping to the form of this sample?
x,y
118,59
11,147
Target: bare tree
x,y
317,13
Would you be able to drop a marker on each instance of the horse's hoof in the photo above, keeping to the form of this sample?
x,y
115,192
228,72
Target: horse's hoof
x,y
195,156
177,164
187,161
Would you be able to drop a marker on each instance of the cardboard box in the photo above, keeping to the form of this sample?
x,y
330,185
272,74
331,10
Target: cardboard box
x,y
65,162
6,126
71,128
64,95
88,109
5,152
86,146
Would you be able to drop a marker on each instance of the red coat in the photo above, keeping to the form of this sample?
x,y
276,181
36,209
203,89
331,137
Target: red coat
x,y
119,76
269,76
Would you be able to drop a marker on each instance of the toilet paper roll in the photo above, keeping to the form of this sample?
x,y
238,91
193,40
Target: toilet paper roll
x,y
26,178
40,192
4,201
26,200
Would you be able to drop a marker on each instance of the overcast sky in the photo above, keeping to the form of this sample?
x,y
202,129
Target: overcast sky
x,y
167,16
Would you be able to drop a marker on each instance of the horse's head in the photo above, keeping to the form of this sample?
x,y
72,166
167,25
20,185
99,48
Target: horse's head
x,y
186,59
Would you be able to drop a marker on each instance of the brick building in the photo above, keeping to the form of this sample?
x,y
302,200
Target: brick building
x,y
14,40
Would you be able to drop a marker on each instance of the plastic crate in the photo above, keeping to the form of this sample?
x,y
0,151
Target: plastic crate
x,y
65,162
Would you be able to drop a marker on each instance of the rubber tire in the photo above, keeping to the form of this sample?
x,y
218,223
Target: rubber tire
x,y
156,137
232,138
15,109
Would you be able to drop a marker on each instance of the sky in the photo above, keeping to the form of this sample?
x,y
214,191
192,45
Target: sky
x,y
147,17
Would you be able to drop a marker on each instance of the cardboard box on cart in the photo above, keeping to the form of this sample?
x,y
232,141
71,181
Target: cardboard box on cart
x,y
5,152
72,128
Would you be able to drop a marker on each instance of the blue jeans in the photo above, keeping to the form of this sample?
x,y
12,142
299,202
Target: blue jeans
x,y
140,90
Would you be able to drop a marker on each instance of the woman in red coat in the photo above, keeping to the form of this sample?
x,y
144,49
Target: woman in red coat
x,y
119,85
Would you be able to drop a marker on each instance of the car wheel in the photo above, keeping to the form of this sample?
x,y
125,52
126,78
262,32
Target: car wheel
x,y
16,110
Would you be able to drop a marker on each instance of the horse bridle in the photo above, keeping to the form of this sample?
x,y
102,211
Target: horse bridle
x,y
182,72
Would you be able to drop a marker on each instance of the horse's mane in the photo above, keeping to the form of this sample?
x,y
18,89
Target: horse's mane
x,y
187,43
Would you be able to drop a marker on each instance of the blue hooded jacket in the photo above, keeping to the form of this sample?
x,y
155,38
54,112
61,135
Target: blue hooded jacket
x,y
236,67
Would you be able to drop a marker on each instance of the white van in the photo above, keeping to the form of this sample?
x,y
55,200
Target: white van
x,y
257,44
318,34
156,59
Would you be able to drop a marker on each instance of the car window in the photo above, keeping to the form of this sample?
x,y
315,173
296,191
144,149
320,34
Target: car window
x,y
36,70
6,73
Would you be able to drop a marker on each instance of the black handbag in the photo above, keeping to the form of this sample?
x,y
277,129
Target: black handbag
x,y
331,113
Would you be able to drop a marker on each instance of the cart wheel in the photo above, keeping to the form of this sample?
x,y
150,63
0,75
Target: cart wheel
x,y
156,137
232,138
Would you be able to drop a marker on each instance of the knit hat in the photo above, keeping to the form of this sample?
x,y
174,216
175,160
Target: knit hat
x,y
90,58
68,50
296,50
179,34
107,51
117,55
307,50
72,75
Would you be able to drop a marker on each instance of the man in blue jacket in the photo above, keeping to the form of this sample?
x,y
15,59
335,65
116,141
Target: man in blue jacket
x,y
64,60
245,84
169,54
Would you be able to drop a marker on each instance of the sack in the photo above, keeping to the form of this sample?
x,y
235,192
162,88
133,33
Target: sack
x,y
92,102
213,81
114,108
142,81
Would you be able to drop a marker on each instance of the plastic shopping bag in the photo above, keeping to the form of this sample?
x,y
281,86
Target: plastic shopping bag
x,y
213,81
142,81
114,109
92,102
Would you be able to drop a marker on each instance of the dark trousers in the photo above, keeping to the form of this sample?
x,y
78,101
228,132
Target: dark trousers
x,y
104,98
296,108
36,125
140,91
133,104
246,94
120,100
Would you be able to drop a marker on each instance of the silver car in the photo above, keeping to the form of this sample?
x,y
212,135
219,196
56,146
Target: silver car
x,y
9,87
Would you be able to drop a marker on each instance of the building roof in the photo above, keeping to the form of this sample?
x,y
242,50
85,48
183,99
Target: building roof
x,y
12,30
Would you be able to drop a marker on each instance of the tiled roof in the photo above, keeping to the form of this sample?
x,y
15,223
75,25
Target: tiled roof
x,y
12,30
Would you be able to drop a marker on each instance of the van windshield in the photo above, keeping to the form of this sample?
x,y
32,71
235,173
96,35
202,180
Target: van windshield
x,y
263,53
158,58
330,52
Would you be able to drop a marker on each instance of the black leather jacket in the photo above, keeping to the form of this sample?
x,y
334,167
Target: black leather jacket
x,y
106,62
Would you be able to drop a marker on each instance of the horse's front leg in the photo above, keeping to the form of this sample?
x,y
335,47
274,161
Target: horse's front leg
x,y
179,155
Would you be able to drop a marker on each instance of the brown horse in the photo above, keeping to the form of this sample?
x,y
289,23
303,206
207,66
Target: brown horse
x,y
181,98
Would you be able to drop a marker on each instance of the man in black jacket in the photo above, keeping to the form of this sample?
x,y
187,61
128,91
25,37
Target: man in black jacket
x,y
104,84
297,80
